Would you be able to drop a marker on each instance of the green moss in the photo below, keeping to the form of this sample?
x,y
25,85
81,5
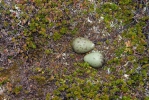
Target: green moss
x,y
39,79
4,80
63,30
145,66
48,51
17,89
119,51
31,44
48,96
56,36
81,81
104,97
56,98
74,31
77,87
127,98
146,98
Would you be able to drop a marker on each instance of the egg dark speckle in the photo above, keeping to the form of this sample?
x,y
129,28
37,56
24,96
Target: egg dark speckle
x,y
95,59
82,45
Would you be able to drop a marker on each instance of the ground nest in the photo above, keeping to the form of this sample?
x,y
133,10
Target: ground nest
x,y
37,60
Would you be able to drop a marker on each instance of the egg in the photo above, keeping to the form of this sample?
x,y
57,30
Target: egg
x,y
82,45
95,59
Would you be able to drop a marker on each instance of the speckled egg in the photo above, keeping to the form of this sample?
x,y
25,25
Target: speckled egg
x,y
95,59
82,45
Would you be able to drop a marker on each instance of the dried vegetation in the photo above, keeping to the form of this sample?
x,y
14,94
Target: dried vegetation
x,y
37,61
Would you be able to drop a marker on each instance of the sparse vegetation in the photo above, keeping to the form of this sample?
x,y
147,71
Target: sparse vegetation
x,y
38,62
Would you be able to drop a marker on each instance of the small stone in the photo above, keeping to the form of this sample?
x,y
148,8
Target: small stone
x,y
95,59
82,45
